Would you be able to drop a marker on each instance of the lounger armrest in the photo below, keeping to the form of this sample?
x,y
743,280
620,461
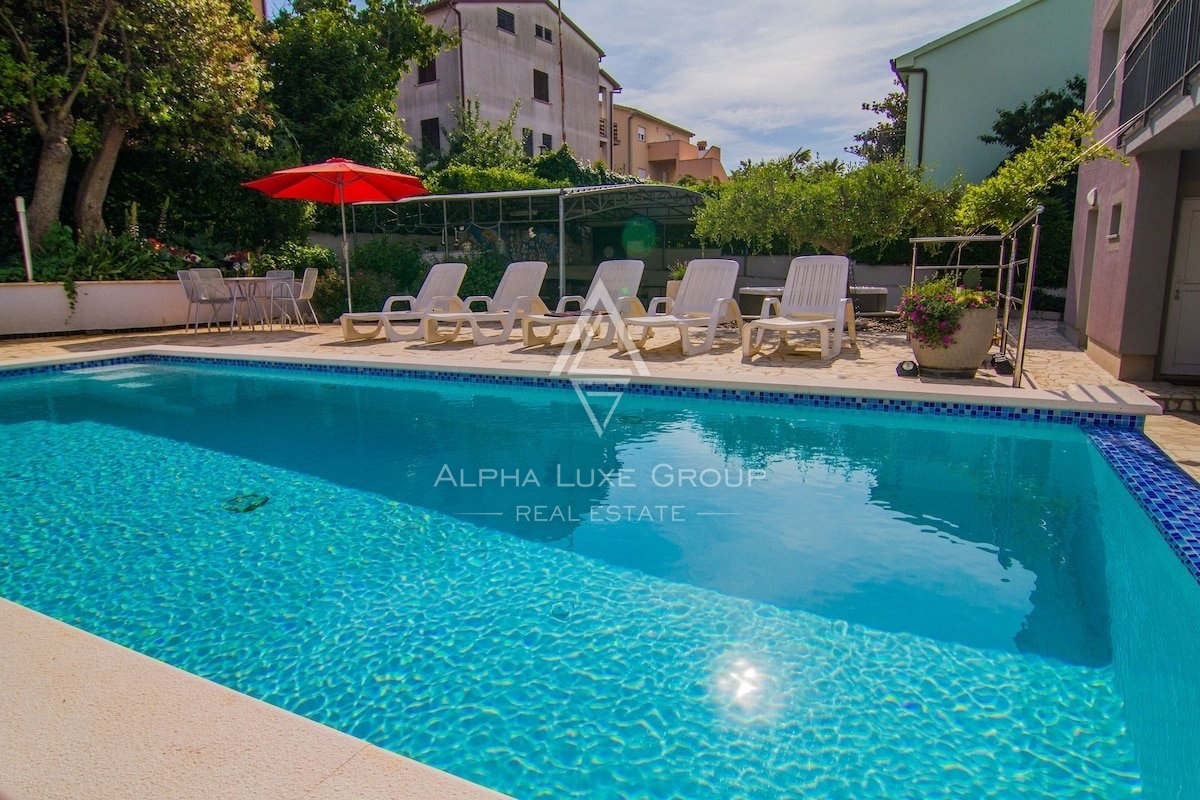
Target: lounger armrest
x,y
769,304
397,298
530,304
660,305
726,310
446,303
478,298
571,298
630,306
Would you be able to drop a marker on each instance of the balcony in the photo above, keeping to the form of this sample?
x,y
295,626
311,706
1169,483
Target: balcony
x,y
670,150
1162,62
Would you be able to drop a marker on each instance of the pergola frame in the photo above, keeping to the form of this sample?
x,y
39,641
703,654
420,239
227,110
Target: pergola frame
x,y
438,214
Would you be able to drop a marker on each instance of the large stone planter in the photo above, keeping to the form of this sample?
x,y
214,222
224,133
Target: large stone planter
x,y
27,308
970,348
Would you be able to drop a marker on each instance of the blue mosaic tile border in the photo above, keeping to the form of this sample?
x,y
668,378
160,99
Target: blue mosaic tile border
x,y
754,396
1166,493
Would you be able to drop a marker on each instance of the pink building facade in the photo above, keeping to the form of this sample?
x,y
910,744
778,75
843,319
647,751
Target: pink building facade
x,y
1134,288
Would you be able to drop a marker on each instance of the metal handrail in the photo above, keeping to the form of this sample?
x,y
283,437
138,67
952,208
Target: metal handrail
x,y
1007,267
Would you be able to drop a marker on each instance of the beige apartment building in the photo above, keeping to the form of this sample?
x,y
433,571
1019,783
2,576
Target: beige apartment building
x,y
649,147
516,50
528,51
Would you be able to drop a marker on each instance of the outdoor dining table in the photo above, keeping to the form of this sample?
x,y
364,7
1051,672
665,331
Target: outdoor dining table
x,y
250,289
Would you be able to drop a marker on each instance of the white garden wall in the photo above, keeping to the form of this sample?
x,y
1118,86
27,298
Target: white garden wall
x,y
27,308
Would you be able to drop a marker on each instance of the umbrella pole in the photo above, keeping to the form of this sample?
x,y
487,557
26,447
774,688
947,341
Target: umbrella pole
x,y
345,247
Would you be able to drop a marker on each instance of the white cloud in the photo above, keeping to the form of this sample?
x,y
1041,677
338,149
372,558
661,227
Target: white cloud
x,y
761,78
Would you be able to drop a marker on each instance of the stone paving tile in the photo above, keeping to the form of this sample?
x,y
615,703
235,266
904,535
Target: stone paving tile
x,y
1051,362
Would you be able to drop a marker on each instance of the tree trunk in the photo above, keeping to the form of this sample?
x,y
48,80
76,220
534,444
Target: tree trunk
x,y
55,159
89,198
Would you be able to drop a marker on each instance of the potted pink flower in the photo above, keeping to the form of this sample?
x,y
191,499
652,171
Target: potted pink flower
x,y
951,323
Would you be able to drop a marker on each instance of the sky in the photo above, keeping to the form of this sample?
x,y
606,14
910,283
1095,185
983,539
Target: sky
x,y
763,78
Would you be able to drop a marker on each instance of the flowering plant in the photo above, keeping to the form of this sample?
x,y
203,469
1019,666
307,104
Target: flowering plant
x,y
933,309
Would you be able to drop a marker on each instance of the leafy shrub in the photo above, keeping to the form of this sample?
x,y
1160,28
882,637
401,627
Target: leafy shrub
x,y
562,168
381,268
484,270
329,298
1054,249
1044,301
460,179
108,257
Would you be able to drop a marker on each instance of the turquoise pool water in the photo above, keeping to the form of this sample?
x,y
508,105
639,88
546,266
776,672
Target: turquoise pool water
x,y
831,605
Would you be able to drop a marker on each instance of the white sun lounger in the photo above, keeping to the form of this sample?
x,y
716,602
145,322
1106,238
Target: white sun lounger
x,y
814,299
704,300
613,292
439,292
516,296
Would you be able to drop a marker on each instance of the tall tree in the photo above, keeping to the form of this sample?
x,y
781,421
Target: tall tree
x,y
885,139
53,58
335,68
1017,128
824,203
1049,160
181,66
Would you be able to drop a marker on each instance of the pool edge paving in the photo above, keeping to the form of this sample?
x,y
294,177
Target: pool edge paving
x,y
85,717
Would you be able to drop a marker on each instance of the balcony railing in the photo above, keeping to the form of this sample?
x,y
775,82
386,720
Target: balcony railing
x,y
1163,58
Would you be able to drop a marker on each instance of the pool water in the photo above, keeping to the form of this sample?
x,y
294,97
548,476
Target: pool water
x,y
832,604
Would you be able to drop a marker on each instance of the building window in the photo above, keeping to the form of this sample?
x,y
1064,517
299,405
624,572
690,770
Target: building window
x,y
427,73
527,139
1110,54
541,86
641,134
547,143
431,134
1114,223
545,34
505,21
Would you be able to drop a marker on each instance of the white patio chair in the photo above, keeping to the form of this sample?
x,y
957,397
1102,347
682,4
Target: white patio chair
x,y
439,292
813,299
185,280
705,300
613,290
303,291
516,296
278,301
209,289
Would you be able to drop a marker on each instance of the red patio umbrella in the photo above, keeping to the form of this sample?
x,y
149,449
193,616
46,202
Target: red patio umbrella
x,y
339,181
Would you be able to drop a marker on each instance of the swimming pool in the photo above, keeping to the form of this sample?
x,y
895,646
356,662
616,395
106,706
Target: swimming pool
x,y
857,604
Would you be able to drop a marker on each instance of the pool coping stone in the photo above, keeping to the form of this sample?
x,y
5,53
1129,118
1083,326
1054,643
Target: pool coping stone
x,y
1118,400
